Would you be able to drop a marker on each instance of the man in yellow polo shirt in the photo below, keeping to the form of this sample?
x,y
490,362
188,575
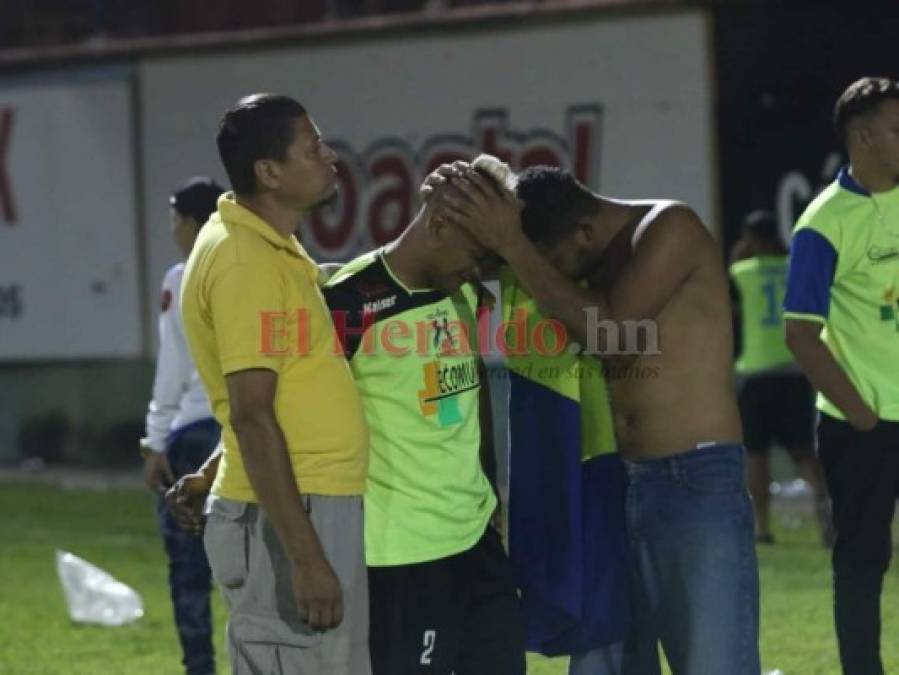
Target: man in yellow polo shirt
x,y
284,527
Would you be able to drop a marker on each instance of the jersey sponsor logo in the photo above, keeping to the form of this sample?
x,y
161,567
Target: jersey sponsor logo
x,y
889,311
879,255
443,384
376,306
445,381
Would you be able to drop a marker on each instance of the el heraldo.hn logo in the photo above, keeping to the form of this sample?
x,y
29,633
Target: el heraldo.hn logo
x,y
453,372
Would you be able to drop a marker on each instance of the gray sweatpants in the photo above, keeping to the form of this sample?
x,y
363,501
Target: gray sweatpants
x,y
265,633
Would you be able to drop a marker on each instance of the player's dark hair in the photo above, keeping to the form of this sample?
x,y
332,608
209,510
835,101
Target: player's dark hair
x,y
554,203
860,98
197,198
762,224
257,127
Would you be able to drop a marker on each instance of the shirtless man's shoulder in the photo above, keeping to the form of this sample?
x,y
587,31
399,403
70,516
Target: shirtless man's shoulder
x,y
670,223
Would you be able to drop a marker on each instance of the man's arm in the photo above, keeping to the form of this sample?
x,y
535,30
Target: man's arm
x,y
825,374
263,448
812,273
664,256
172,378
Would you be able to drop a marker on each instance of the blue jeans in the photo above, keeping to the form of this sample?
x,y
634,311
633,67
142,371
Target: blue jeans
x,y
695,575
190,580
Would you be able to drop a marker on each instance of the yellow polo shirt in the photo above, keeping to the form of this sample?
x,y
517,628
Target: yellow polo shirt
x,y
250,299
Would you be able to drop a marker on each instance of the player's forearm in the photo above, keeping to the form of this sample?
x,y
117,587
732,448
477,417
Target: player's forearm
x,y
267,464
557,296
159,424
824,372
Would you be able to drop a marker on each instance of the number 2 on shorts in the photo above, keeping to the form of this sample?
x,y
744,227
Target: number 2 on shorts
x,y
429,639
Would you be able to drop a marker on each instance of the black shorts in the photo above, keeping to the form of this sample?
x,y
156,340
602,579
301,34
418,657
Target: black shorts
x,y
777,409
459,615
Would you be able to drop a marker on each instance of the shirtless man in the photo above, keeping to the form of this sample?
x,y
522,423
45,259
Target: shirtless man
x,y
593,263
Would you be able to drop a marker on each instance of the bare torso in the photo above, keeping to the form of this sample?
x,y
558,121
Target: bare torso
x,y
669,402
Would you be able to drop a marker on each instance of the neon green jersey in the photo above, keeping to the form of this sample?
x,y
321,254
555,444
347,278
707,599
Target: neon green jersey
x,y
415,360
761,282
844,273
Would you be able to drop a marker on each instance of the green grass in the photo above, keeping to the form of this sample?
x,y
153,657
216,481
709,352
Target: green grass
x,y
116,531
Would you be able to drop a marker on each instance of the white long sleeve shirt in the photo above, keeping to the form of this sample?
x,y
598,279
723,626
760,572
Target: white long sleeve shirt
x,y
178,395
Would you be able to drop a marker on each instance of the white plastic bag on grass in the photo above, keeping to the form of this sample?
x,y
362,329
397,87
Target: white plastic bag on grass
x,y
93,596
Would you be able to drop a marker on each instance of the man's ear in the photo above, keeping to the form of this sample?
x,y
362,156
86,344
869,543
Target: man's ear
x,y
268,173
860,132
436,228
433,218
585,231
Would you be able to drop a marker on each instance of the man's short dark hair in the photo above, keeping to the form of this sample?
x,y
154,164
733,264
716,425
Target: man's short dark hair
x,y
762,224
554,203
257,127
860,98
197,198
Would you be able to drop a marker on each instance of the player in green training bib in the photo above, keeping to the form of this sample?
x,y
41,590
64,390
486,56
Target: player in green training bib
x,y
443,599
776,400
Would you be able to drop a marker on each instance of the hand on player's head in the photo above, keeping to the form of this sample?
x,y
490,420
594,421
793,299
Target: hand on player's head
x,y
484,208
440,176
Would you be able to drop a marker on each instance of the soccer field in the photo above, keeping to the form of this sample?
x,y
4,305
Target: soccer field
x,y
116,530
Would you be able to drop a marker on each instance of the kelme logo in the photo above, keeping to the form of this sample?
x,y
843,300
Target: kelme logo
x,y
878,255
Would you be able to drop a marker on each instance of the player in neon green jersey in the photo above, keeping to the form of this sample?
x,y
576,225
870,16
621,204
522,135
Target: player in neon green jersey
x,y
842,324
442,596
776,400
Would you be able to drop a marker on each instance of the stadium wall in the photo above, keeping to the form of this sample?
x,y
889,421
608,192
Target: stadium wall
x,y
624,99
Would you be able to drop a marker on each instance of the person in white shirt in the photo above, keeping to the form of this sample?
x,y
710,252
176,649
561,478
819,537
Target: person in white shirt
x,y
180,434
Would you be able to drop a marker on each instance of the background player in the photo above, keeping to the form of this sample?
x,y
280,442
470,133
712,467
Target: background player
x,y
443,598
776,400
181,433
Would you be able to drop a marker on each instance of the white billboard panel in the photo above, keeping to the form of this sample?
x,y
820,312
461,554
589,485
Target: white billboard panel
x,y
624,101
68,258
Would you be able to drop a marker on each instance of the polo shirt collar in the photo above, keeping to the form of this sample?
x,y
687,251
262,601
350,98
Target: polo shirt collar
x,y
847,182
234,213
